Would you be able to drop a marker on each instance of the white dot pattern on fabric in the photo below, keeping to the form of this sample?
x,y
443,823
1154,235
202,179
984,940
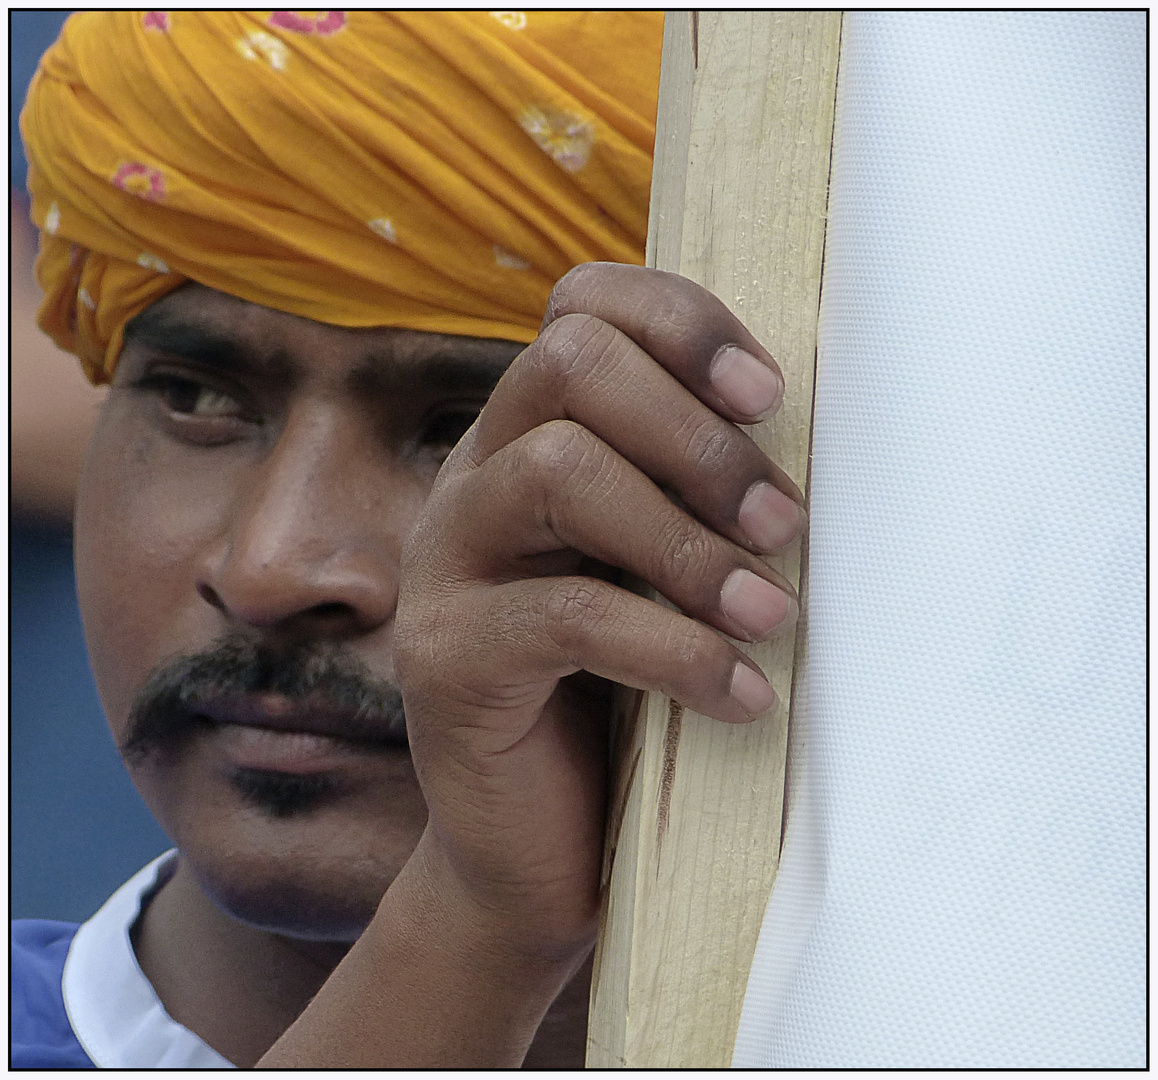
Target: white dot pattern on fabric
x,y
512,20
384,228
151,262
568,139
260,45
52,219
508,260
85,298
963,878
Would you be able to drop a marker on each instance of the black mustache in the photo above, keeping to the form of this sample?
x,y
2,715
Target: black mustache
x,y
169,706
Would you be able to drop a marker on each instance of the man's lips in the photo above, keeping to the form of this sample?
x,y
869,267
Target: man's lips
x,y
269,731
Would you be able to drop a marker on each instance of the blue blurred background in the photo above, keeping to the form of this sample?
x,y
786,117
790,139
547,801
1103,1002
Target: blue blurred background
x,y
77,827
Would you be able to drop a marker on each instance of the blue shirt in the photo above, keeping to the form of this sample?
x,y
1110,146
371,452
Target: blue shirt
x,y
80,999
42,1037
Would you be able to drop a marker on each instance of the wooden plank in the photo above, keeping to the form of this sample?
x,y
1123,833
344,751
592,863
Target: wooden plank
x,y
739,203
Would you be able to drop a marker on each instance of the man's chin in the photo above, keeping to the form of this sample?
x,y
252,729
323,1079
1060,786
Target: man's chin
x,y
309,905
309,859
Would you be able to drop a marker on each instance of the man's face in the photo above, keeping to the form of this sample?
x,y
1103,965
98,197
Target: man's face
x,y
244,504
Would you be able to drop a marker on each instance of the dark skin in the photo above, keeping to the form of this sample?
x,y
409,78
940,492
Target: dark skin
x,y
293,485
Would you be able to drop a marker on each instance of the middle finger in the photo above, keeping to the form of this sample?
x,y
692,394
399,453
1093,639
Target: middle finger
x,y
585,370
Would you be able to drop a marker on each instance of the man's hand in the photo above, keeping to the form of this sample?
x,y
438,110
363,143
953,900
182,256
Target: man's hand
x,y
610,442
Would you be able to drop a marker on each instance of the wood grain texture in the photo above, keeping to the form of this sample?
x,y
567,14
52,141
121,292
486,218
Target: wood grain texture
x,y
739,203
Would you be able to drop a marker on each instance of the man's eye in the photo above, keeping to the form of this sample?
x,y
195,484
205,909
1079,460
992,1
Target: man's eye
x,y
194,411
184,396
444,430
191,398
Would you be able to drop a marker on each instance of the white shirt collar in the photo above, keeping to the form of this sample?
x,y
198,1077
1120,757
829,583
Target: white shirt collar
x,y
113,1008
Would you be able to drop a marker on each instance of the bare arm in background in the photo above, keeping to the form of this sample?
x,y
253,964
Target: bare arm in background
x,y
53,405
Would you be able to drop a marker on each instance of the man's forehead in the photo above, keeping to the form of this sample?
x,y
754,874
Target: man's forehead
x,y
195,319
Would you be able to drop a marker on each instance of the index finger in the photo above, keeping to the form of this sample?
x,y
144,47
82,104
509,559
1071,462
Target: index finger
x,y
684,328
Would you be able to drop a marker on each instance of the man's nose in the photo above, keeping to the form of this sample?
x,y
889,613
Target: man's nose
x,y
313,537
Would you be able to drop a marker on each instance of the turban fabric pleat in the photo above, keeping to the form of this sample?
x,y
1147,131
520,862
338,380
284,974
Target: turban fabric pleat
x,y
436,171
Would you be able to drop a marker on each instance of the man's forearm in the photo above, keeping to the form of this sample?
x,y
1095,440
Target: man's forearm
x,y
431,984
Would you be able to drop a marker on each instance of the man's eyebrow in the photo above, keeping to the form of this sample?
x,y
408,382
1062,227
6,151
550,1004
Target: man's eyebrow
x,y
191,340
469,367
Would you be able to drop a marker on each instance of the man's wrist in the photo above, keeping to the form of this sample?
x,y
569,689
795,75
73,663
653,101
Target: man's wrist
x,y
485,938
435,981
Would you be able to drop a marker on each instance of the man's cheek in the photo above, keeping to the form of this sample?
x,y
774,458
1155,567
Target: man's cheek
x,y
138,536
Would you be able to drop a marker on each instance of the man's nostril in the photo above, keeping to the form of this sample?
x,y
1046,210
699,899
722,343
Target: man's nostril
x,y
210,597
332,610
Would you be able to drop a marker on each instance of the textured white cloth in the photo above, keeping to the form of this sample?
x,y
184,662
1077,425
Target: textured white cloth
x,y
963,876
113,1009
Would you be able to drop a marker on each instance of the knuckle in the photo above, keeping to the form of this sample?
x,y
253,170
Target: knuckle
x,y
710,445
699,654
570,348
574,610
557,454
690,308
687,550
569,291
576,603
694,322
694,644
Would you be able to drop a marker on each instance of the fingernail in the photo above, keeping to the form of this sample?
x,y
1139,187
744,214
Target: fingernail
x,y
752,693
769,518
754,604
748,386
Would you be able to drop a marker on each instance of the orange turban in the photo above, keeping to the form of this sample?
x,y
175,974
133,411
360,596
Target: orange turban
x,y
436,171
